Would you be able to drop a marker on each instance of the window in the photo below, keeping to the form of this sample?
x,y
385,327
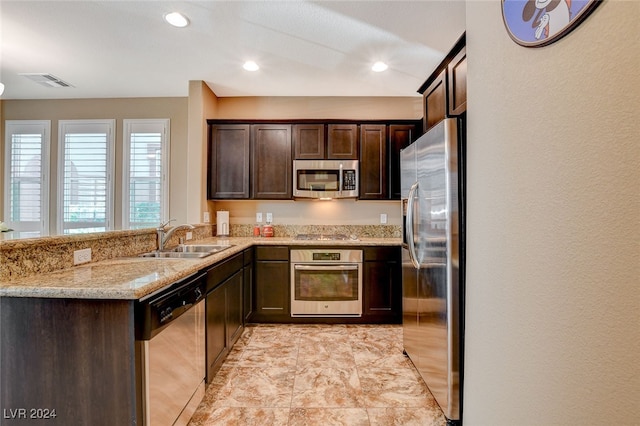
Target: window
x,y
26,179
146,166
85,168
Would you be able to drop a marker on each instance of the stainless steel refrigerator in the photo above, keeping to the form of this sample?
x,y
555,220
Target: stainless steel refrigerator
x,y
432,182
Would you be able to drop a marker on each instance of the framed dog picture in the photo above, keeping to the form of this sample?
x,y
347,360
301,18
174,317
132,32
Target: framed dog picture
x,y
535,23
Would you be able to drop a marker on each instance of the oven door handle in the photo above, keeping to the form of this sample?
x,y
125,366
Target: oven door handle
x,y
326,268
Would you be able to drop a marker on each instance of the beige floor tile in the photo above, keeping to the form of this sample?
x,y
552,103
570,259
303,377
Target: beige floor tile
x,y
328,417
327,388
318,375
256,387
405,417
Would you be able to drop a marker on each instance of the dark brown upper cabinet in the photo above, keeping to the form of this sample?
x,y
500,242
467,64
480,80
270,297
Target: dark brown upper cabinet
x,y
228,161
373,162
457,77
342,141
445,91
271,161
435,101
308,141
400,136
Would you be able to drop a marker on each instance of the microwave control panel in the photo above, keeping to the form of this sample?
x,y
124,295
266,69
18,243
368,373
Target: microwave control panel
x,y
349,180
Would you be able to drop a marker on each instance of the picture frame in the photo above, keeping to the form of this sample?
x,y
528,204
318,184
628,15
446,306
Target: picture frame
x,y
537,23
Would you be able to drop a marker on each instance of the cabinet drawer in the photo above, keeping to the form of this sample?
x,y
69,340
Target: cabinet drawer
x,y
220,272
272,253
389,254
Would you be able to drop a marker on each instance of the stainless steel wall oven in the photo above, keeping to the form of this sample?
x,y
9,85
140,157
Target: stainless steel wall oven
x,y
326,283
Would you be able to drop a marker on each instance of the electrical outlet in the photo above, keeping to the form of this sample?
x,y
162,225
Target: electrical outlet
x,y
259,217
188,235
206,218
383,218
269,217
81,256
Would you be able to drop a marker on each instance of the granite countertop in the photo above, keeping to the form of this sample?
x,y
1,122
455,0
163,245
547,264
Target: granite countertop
x,y
135,277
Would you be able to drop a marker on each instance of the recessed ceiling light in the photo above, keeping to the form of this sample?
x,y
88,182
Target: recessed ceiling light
x,y
176,19
379,66
251,66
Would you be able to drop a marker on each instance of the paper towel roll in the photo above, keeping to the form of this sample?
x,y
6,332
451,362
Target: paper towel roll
x,y
222,223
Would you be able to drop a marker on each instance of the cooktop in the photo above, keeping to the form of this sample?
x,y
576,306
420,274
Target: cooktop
x,y
325,237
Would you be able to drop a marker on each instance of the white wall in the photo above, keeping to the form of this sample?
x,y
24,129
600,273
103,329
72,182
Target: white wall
x,y
553,279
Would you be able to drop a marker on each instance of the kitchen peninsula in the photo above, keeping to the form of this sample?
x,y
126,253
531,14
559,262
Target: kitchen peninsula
x,y
69,338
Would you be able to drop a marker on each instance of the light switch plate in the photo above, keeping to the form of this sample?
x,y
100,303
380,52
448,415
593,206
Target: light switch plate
x,y
269,217
259,217
206,217
81,256
383,218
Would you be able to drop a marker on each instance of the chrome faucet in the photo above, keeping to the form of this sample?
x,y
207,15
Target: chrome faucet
x,y
163,236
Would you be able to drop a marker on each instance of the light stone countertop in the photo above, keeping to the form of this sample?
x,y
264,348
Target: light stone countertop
x,y
135,277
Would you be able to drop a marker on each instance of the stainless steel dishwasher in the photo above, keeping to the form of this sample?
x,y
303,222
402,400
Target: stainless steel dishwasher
x,y
170,352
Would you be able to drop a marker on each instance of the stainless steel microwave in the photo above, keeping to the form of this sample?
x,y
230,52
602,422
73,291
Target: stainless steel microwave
x,y
325,179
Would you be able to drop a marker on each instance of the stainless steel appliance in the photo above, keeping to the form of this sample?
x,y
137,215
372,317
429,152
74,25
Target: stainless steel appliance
x,y
325,179
433,261
326,283
325,237
170,352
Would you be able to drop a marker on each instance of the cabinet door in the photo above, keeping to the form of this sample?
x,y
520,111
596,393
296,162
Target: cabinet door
x,y
373,161
247,292
216,330
228,162
308,141
234,308
272,289
435,101
382,280
342,141
400,136
457,74
271,161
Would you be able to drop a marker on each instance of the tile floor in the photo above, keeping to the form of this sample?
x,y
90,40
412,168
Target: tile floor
x,y
318,375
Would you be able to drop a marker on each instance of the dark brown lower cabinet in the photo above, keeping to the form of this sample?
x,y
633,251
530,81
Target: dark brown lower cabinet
x,y
247,276
67,362
224,311
272,284
382,282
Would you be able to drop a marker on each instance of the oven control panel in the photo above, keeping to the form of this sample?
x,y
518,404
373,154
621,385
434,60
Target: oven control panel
x,y
326,256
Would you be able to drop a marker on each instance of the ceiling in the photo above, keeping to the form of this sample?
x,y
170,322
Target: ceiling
x,y
113,49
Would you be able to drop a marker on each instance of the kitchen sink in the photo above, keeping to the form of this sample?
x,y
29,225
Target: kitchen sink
x,y
188,251
174,255
204,248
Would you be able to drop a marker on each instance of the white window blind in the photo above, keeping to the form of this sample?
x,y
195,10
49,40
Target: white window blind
x,y
26,179
85,171
146,164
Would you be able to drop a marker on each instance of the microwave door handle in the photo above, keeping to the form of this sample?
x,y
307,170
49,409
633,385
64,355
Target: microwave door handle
x,y
341,178
325,267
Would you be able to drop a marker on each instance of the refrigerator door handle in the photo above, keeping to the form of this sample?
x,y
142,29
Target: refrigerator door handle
x,y
409,227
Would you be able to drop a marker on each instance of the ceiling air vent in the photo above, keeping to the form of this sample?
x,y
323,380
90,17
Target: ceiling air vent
x,y
46,80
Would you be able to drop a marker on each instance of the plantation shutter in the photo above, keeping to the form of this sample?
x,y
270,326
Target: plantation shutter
x,y
86,195
145,170
26,176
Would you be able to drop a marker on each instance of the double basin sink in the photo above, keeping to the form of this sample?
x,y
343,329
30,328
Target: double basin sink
x,y
188,251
